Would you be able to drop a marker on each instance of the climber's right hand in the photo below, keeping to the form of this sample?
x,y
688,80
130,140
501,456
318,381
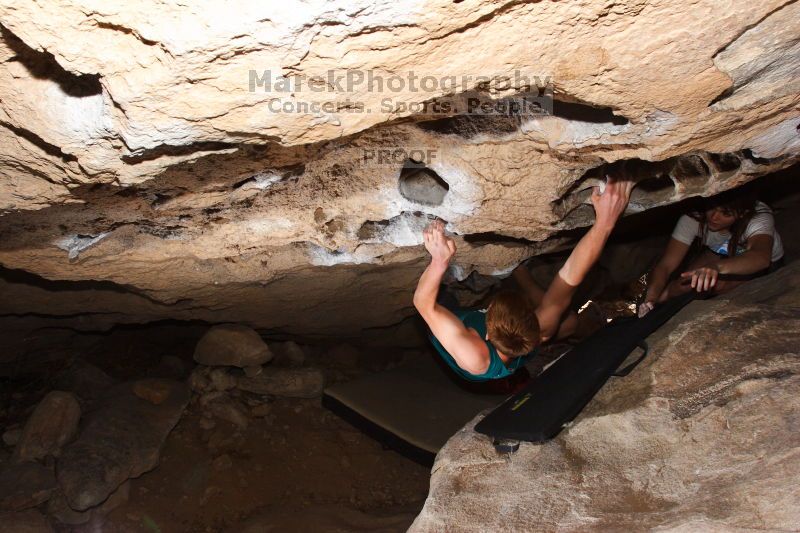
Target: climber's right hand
x,y
441,247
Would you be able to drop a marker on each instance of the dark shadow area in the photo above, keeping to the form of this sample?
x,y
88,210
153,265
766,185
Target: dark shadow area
x,y
491,237
12,275
43,65
176,150
583,112
46,147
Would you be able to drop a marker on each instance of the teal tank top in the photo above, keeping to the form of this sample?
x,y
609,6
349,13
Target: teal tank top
x,y
476,320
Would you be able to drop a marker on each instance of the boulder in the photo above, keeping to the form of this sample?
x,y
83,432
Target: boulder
x,y
702,436
231,345
52,424
286,382
121,439
24,485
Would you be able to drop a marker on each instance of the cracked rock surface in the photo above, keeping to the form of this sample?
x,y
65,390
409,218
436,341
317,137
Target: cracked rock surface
x,y
142,179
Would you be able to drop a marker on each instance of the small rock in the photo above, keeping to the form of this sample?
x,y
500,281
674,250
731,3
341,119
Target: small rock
x,y
209,397
152,390
252,371
221,379
24,485
344,355
198,379
288,354
58,508
286,382
227,411
11,437
207,424
30,521
223,462
232,345
52,424
261,411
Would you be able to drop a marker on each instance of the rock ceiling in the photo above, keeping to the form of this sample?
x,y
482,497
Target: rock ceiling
x,y
141,178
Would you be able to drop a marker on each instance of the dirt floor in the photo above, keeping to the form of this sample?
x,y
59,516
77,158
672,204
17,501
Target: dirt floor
x,y
298,456
295,467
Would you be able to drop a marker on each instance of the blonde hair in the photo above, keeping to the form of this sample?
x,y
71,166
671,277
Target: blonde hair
x,y
511,324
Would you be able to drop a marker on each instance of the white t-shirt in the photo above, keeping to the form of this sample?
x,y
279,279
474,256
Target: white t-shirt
x,y
762,223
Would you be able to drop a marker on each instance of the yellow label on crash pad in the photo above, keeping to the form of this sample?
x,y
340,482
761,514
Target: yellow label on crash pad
x,y
521,401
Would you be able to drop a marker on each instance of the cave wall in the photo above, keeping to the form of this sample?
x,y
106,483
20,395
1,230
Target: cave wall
x,y
142,179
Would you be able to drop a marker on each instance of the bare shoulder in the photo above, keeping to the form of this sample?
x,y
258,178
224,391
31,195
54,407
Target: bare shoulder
x,y
472,353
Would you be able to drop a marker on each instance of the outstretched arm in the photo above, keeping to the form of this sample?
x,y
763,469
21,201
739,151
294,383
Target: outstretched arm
x,y
608,207
469,352
756,258
673,256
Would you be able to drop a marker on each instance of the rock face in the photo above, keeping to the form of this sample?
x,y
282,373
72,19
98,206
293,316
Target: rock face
x,y
702,436
265,194
121,439
232,345
52,424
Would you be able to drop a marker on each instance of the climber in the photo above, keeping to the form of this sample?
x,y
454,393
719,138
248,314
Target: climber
x,y
491,344
739,242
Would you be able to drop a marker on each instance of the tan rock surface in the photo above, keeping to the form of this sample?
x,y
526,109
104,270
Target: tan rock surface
x,y
135,155
703,436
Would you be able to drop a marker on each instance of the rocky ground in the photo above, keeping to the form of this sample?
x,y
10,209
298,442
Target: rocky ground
x,y
143,444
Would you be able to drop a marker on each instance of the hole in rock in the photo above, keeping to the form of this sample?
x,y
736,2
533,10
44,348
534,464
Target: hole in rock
x,y
690,168
422,185
583,112
748,153
490,237
475,113
725,162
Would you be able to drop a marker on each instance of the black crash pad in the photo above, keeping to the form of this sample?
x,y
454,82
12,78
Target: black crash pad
x,y
414,408
539,411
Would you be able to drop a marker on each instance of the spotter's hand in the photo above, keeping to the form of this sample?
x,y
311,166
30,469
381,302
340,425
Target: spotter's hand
x,y
441,247
702,279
